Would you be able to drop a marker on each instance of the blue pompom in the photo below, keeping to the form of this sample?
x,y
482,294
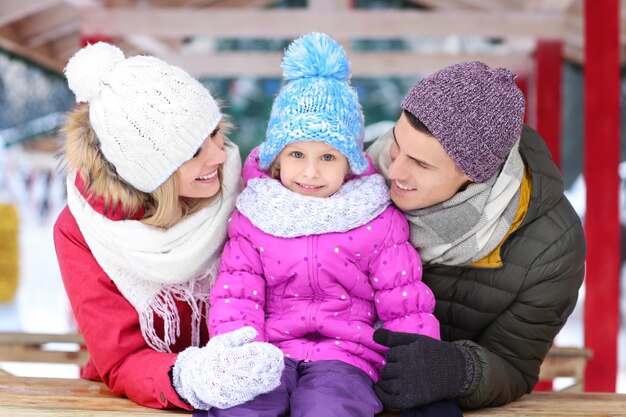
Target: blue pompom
x,y
315,55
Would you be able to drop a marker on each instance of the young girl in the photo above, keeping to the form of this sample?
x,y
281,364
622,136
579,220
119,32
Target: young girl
x,y
317,255
151,183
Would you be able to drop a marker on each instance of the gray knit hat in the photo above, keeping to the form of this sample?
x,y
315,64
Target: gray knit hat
x,y
476,113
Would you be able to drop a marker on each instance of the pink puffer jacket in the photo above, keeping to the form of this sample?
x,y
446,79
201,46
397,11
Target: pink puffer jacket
x,y
318,297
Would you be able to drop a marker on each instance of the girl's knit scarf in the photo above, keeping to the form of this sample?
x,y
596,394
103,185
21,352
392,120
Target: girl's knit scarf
x,y
154,268
471,224
280,212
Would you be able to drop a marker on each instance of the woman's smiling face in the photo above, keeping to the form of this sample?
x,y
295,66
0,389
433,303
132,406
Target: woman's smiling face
x,y
199,177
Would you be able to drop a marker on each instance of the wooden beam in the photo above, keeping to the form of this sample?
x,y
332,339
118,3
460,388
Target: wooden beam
x,y
370,64
39,338
439,4
548,5
11,10
81,4
28,353
10,42
573,54
44,27
231,3
328,5
27,347
63,48
485,5
66,29
149,45
565,362
154,46
285,23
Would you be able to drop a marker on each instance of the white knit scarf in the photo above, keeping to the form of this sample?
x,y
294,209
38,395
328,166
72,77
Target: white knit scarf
x,y
472,223
281,212
154,267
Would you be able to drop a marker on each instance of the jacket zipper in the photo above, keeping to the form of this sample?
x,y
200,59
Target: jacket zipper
x,y
313,306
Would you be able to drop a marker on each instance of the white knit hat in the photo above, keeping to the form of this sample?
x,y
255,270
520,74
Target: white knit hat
x,y
150,117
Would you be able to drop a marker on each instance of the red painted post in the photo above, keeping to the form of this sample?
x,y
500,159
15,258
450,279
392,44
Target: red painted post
x,y
549,59
602,150
91,39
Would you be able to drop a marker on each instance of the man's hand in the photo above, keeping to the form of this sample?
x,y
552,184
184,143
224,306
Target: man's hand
x,y
419,370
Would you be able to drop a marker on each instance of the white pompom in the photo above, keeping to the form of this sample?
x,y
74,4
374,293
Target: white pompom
x,y
87,69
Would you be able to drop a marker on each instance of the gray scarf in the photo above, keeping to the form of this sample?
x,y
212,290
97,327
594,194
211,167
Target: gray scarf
x,y
471,224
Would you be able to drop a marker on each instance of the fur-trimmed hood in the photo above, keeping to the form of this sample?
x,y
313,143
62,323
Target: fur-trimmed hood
x,y
97,178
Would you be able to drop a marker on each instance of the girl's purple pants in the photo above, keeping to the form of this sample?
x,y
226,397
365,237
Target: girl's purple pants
x,y
311,389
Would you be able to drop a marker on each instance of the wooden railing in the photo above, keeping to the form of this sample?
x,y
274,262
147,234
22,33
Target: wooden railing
x,y
566,362
66,348
49,348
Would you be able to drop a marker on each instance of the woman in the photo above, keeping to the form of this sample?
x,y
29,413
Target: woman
x,y
151,183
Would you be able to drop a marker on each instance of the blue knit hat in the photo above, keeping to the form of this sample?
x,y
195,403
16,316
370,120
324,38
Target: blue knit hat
x,y
317,103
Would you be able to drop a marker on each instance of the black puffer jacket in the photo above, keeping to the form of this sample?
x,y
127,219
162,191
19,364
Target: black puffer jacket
x,y
508,316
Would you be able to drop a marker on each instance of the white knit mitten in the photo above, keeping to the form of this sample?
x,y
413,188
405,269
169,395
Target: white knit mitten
x,y
230,370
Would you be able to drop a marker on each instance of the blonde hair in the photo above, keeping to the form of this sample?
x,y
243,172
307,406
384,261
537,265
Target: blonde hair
x,y
162,207
275,170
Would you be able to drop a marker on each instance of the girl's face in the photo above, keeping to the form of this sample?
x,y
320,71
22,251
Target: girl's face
x,y
198,177
312,168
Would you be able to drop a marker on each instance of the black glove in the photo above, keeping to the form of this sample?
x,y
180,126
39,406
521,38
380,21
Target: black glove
x,y
420,370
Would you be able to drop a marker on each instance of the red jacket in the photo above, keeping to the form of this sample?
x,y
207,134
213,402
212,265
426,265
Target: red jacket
x,y
119,355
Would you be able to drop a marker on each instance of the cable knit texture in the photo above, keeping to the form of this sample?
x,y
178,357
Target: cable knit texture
x,y
230,370
150,117
319,296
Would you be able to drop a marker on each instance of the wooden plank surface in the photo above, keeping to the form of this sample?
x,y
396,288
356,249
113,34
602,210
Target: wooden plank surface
x,y
560,404
10,338
53,397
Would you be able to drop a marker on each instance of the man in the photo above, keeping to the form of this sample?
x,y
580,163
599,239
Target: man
x,y
503,249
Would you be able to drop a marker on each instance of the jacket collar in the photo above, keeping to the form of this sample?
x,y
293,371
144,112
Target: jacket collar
x,y
111,212
547,182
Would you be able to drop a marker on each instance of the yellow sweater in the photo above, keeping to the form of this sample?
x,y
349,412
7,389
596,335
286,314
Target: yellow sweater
x,y
493,259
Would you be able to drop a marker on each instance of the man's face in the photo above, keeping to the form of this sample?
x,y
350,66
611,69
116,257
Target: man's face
x,y
421,172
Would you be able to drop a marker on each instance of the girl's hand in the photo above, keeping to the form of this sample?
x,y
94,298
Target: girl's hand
x,y
230,370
